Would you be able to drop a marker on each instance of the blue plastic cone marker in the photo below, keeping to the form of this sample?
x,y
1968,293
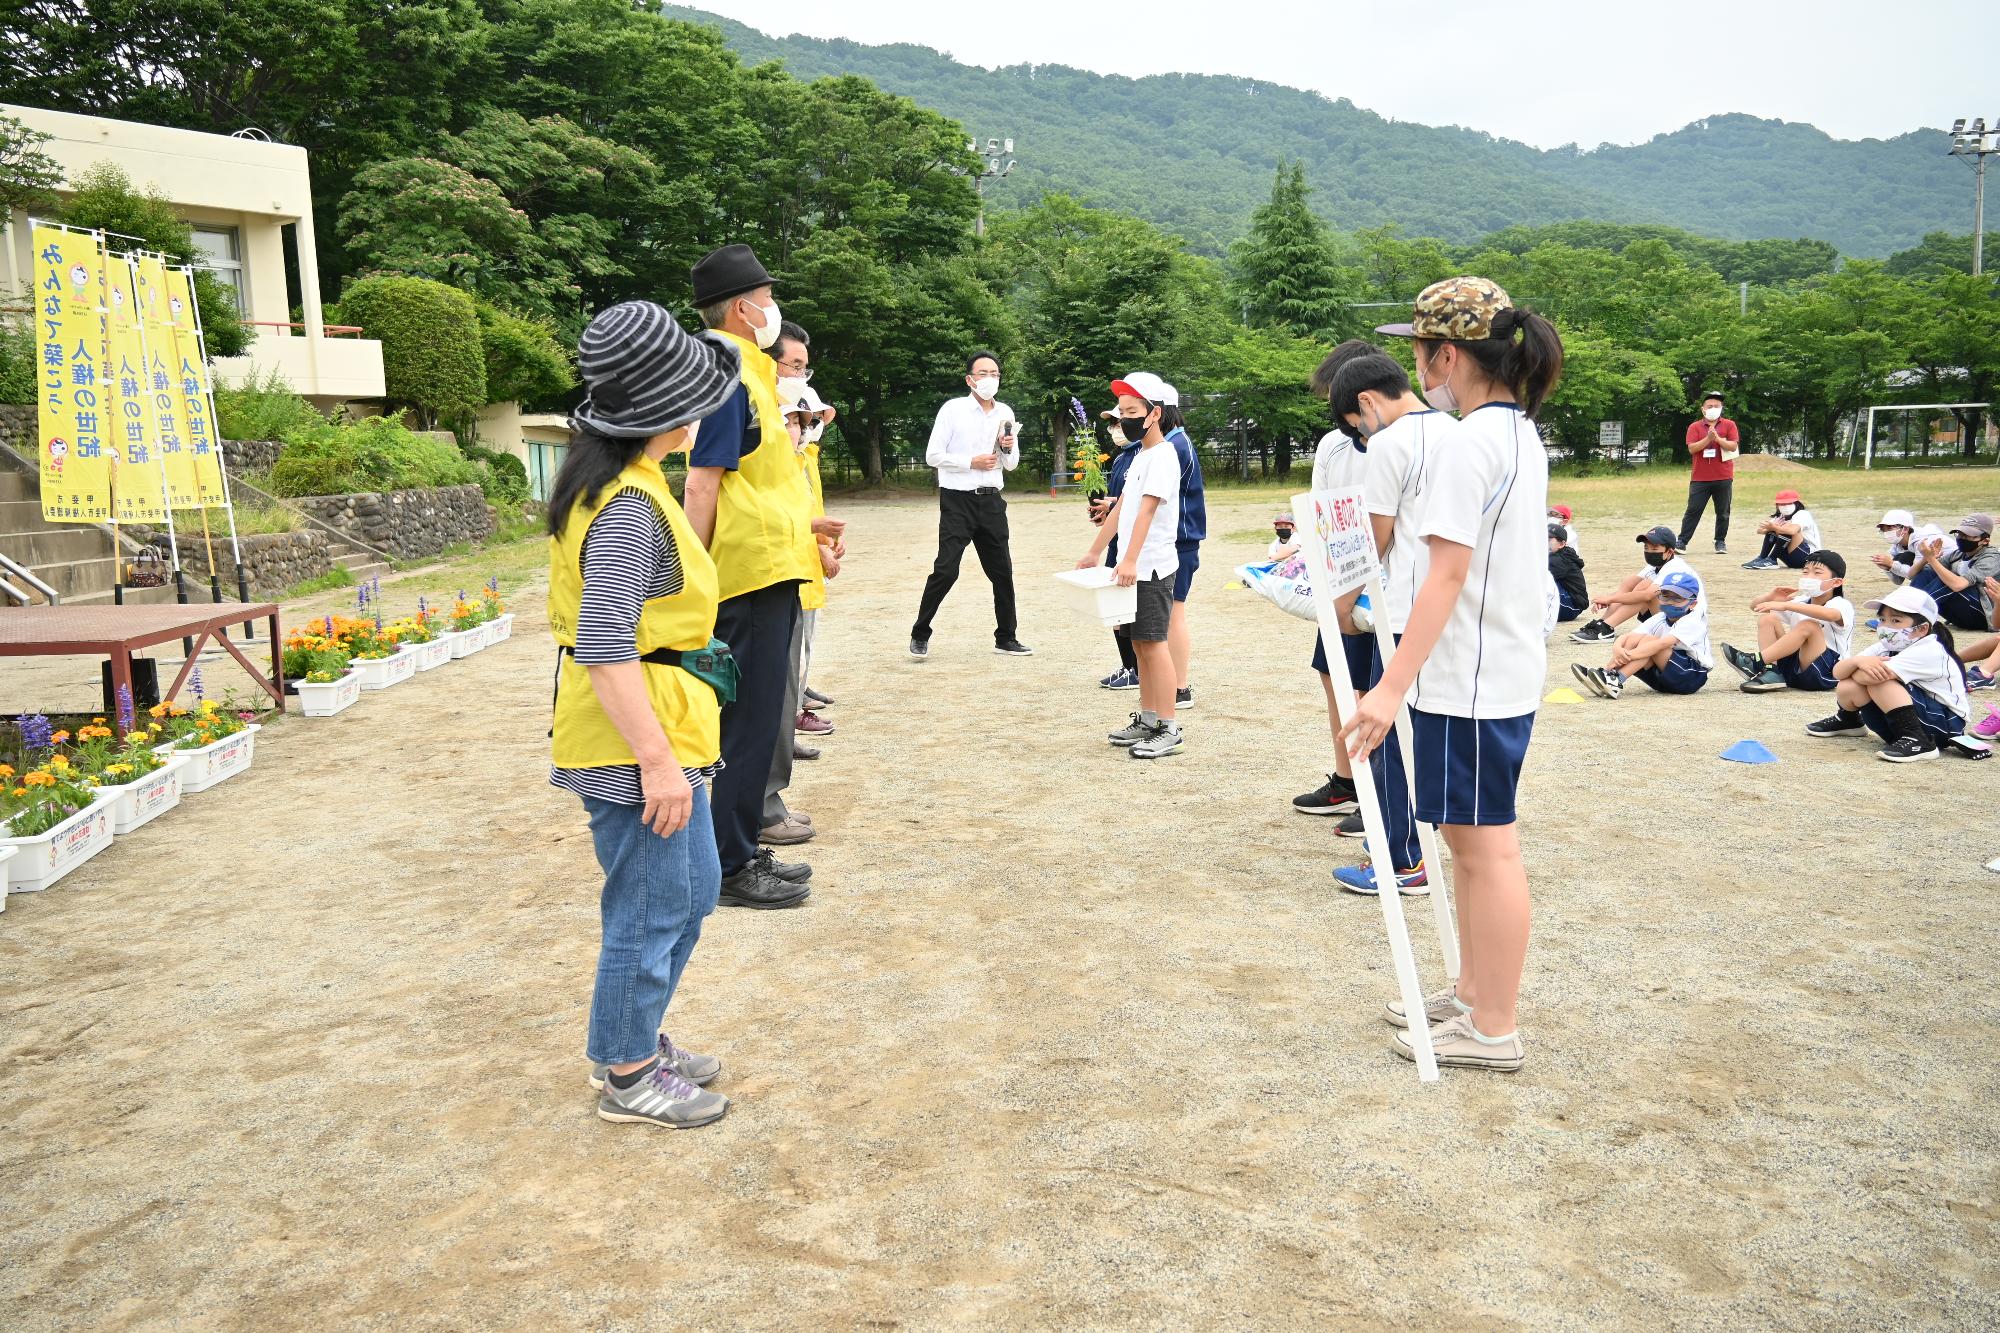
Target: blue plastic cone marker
x,y
1749,752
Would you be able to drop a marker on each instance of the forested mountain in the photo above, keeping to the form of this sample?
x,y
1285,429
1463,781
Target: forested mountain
x,y
1195,153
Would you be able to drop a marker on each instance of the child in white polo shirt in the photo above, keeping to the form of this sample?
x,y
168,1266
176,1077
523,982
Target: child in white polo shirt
x,y
1146,518
1908,688
1639,594
1472,659
1668,652
1802,631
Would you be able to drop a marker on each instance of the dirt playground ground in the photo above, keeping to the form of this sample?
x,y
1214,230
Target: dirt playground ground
x,y
1062,1039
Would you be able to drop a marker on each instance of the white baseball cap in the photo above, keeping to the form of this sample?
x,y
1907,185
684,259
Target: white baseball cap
x,y
1898,518
1910,601
1145,384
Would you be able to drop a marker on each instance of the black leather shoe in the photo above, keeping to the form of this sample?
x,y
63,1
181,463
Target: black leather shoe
x,y
792,872
1013,648
755,887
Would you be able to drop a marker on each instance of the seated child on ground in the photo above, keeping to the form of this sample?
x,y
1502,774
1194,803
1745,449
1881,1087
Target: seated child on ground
x,y
1638,594
1909,688
1563,514
1900,527
1669,651
1566,568
1790,534
1982,656
1283,541
1802,631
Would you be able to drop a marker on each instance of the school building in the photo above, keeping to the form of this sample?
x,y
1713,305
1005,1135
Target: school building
x,y
250,201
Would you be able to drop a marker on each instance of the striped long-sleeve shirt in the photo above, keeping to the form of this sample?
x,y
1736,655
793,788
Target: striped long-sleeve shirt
x,y
629,557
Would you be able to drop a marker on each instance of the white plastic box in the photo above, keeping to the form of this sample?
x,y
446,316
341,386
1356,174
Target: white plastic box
x,y
1092,594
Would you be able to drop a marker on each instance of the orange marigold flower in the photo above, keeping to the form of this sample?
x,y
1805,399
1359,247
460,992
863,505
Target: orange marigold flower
x,y
59,738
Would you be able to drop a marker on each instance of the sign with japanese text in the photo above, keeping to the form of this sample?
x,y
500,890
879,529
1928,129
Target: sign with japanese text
x,y
130,441
191,382
70,410
166,409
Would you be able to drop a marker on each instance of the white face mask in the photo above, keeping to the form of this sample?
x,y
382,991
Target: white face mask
x,y
987,387
1811,588
1440,397
767,332
814,431
1896,640
1712,413
790,390
1786,511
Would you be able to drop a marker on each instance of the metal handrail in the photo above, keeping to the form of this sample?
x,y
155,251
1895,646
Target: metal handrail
x,y
331,330
26,575
14,594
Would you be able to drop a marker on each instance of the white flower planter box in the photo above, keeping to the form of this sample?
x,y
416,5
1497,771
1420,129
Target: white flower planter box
x,y
46,857
325,698
432,655
7,853
141,802
1092,595
501,627
466,642
380,673
218,761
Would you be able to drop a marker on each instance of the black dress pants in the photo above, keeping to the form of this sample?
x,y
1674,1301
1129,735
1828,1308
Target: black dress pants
x,y
757,626
1699,494
978,518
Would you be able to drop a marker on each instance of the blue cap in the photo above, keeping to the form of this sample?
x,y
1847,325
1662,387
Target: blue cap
x,y
1681,584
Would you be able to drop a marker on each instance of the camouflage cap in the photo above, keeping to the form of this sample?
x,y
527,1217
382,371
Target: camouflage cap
x,y
1457,310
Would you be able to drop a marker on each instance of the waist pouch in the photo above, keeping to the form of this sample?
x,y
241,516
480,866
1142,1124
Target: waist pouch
x,y
714,666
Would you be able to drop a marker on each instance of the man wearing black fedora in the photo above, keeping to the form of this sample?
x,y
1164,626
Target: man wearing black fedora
x,y
749,502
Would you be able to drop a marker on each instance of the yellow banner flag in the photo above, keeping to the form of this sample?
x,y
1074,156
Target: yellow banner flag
x,y
131,442
191,381
70,420
166,407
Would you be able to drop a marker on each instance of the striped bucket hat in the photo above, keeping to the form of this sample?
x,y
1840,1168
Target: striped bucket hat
x,y
644,375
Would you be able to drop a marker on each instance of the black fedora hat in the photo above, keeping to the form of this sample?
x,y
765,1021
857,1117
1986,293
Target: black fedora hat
x,y
725,272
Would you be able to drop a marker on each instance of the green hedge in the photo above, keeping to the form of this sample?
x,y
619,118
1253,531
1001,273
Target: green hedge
x,y
17,365
265,409
432,358
373,454
525,363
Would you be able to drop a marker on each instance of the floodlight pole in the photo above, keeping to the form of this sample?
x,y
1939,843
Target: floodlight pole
x,y
999,162
1977,143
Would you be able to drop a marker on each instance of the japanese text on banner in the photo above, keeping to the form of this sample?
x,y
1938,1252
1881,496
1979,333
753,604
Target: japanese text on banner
x,y
1340,521
138,477
191,383
166,409
69,354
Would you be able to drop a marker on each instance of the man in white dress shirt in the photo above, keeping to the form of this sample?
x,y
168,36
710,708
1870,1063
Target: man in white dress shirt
x,y
973,449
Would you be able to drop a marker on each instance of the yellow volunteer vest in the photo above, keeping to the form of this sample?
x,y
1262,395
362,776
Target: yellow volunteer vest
x,y
812,593
687,708
763,514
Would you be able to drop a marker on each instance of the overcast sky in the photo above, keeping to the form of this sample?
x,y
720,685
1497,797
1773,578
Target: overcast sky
x,y
1546,72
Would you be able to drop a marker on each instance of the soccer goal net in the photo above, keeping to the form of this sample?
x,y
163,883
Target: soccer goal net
x,y
1926,435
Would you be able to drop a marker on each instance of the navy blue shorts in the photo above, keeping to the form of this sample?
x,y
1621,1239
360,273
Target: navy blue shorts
x,y
1797,556
1468,769
1814,675
1358,649
1681,674
1963,609
1184,576
1939,721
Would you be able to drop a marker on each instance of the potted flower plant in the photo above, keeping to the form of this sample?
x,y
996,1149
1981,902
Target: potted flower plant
x,y
328,685
50,815
142,782
470,631
497,614
421,631
380,658
220,742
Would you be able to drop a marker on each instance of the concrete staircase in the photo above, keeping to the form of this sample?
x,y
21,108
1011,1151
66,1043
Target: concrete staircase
x,y
76,559
360,564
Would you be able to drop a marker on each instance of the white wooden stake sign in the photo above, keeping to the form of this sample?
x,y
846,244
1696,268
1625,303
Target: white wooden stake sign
x,y
1339,552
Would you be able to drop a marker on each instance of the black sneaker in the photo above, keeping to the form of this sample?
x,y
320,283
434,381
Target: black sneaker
x,y
1749,664
754,886
1840,724
1595,632
920,649
1335,796
1184,698
792,872
1721,549
1352,827
1907,750
1765,682
1013,648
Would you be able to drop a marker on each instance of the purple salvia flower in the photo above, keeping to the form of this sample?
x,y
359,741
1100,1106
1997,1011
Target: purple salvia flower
x,y
195,681
329,627
127,714
36,732
1076,410
361,598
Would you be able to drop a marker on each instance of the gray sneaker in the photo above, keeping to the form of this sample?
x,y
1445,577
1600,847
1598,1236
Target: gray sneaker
x,y
661,1097
700,1070
1163,742
1437,1008
1134,733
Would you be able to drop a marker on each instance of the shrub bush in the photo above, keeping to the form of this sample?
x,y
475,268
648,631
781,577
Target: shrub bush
x,y
373,454
524,361
431,354
265,409
17,365
503,477
102,196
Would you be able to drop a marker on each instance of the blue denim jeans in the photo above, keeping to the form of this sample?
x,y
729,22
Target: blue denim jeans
x,y
656,892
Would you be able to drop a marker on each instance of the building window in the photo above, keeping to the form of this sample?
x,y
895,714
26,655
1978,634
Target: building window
x,y
220,251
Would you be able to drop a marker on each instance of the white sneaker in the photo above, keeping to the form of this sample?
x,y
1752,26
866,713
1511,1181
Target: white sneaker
x,y
1164,741
1454,1043
1438,1008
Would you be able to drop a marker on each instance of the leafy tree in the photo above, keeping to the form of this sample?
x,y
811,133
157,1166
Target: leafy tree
x,y
1940,251
432,360
1285,271
28,176
1950,328
103,199
524,361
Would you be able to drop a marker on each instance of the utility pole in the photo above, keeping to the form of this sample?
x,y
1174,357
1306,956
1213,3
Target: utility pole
x,y
1977,143
999,156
